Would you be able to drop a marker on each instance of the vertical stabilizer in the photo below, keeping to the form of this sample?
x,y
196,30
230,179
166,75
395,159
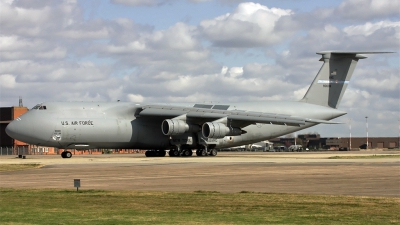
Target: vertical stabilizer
x,y
329,85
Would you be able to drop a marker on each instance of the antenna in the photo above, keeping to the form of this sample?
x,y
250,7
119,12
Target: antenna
x,y
20,101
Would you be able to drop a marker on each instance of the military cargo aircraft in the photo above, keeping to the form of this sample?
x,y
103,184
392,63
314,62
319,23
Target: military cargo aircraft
x,y
181,128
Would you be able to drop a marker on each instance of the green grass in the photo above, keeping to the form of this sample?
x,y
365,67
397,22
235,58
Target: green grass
x,y
26,206
14,167
365,157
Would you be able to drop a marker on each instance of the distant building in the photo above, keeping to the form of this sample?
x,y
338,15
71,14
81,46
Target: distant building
x,y
361,142
9,145
8,114
314,141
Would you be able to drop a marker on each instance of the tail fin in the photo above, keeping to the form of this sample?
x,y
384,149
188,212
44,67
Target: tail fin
x,y
329,85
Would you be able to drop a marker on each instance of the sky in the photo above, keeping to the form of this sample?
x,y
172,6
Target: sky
x,y
166,51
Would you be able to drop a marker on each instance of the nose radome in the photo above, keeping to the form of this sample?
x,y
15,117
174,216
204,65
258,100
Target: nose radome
x,y
20,130
12,129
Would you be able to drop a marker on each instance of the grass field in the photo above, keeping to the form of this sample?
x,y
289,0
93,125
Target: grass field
x,y
13,167
27,206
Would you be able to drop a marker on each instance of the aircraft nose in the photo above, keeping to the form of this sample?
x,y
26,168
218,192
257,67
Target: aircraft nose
x,y
19,130
12,129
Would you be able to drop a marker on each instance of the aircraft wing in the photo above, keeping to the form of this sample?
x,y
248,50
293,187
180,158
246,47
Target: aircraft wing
x,y
235,118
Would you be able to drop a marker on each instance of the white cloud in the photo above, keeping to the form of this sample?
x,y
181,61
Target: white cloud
x,y
135,98
391,82
368,9
30,71
298,94
250,25
85,33
370,28
236,71
42,21
7,81
139,2
16,48
224,70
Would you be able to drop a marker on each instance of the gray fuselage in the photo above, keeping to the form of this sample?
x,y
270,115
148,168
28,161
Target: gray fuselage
x,y
90,125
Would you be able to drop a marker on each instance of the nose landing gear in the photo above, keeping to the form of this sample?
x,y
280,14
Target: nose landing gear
x,y
66,154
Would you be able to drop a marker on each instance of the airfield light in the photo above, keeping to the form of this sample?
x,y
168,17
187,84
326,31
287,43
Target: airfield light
x,y
366,123
350,134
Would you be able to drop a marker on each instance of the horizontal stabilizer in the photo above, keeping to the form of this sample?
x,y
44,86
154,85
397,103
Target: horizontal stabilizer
x,y
351,52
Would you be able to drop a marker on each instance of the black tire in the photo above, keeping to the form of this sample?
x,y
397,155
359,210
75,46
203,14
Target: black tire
x,y
148,154
213,152
187,152
198,152
173,153
63,154
68,154
184,152
161,153
203,152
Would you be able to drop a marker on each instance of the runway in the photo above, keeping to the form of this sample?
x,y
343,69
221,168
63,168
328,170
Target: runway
x,y
306,173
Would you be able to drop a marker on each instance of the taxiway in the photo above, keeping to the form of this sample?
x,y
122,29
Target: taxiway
x,y
305,172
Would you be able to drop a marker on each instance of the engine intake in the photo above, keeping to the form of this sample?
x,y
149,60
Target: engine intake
x,y
219,130
177,127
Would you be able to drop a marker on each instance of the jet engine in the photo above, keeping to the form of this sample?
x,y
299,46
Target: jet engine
x,y
219,130
177,127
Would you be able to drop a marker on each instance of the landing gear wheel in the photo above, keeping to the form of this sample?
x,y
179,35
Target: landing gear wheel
x,y
66,154
155,153
201,152
213,152
161,153
173,153
187,152
149,154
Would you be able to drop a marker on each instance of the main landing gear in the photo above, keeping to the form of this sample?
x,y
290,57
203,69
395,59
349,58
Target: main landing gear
x,y
66,154
183,152
204,152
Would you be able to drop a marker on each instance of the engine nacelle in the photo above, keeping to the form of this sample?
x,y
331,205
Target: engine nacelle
x,y
177,127
219,130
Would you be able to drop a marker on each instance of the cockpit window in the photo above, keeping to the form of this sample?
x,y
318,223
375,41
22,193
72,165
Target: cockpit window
x,y
40,107
36,106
